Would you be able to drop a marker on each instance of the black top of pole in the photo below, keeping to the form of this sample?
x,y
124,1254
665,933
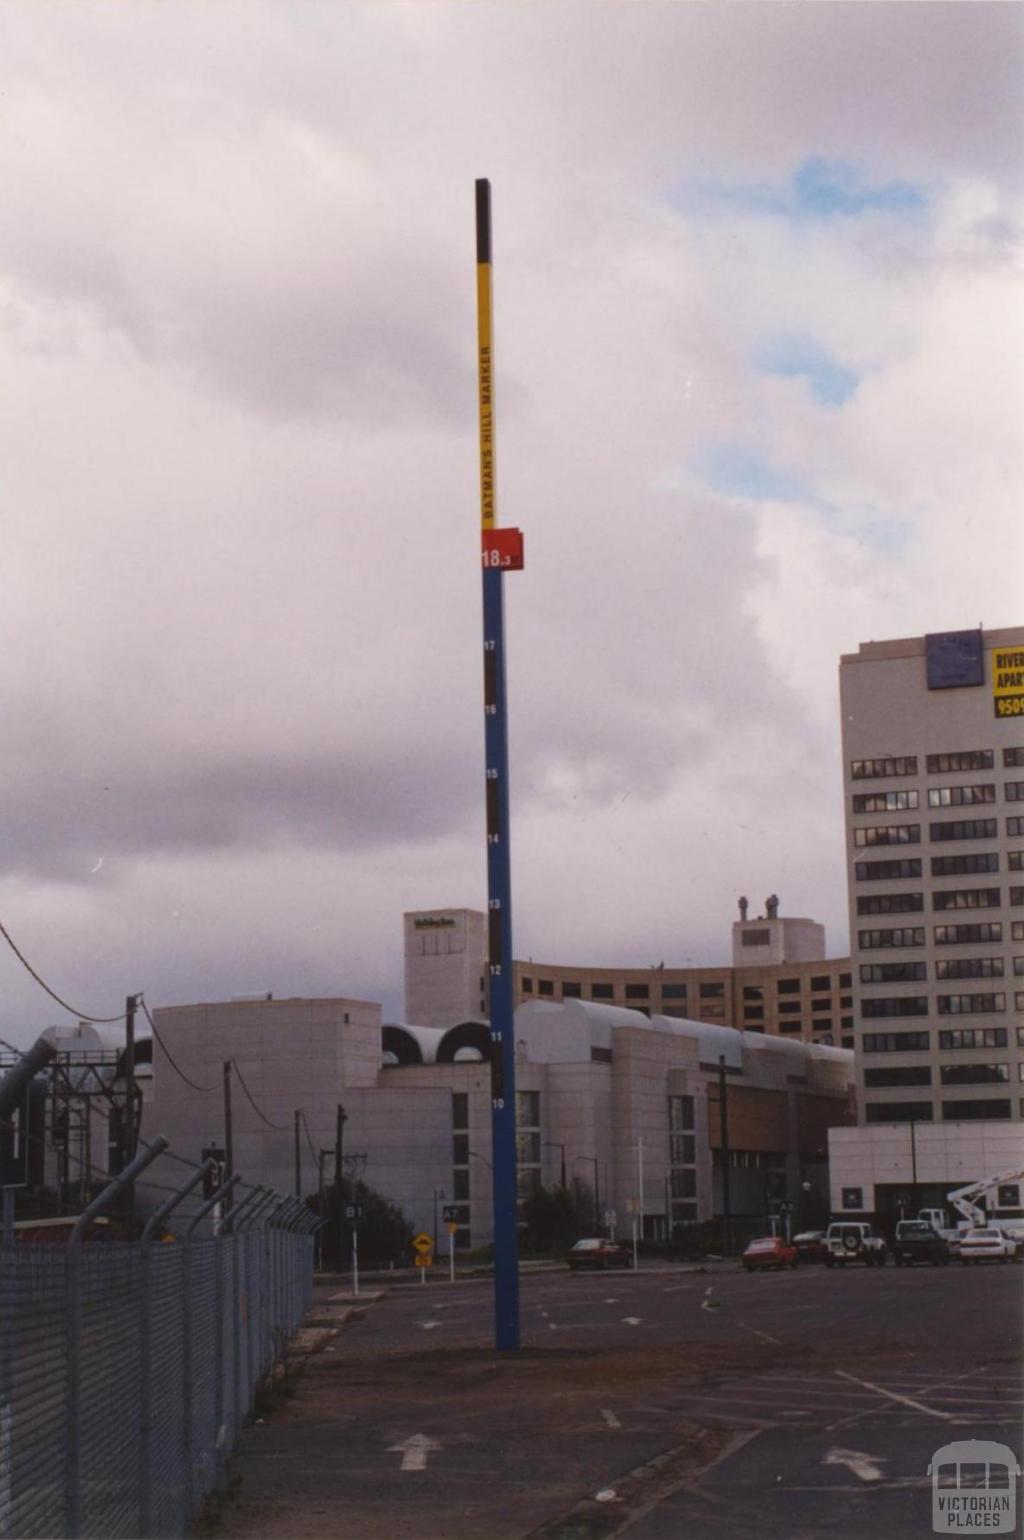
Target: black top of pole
x,y
483,219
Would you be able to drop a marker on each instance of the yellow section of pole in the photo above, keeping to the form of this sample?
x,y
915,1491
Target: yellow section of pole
x,y
485,354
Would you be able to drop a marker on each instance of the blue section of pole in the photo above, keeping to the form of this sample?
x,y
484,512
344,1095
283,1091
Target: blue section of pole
x,y
499,900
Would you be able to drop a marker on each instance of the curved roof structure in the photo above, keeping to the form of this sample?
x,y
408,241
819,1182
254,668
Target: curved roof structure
x,y
567,1030
405,1044
468,1040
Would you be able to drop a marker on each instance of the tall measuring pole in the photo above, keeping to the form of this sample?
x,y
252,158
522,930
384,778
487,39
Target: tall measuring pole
x,y
501,550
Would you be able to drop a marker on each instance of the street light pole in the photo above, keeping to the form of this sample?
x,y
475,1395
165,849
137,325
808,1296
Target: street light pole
x,y
552,1144
592,1160
723,1128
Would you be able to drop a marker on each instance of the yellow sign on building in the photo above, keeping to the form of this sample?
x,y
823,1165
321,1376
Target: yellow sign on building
x,y
1008,681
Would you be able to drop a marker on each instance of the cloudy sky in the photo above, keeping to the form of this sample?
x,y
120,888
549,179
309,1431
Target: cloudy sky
x,y
758,343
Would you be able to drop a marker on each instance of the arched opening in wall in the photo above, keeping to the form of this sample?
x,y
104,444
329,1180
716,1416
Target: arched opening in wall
x,y
470,1041
399,1047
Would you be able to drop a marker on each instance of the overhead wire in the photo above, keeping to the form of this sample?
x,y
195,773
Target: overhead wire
x,y
167,1053
281,1128
82,1015
309,1141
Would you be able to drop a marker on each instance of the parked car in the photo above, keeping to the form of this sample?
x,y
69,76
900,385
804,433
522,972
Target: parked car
x,y
769,1251
597,1252
917,1241
811,1246
990,1244
850,1240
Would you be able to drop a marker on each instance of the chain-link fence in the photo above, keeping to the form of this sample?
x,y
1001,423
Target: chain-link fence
x,y
128,1368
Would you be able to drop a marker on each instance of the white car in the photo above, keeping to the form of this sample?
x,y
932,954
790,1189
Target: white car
x,y
989,1244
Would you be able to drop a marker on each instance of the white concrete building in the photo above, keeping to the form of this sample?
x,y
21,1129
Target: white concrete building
x,y
445,965
604,1095
933,754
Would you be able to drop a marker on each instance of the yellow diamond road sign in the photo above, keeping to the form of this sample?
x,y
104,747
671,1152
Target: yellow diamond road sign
x,y
423,1243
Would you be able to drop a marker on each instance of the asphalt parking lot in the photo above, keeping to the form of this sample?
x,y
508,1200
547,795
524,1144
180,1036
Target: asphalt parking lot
x,y
667,1403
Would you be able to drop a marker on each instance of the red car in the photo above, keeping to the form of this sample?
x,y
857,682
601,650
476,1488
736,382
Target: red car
x,y
599,1253
769,1251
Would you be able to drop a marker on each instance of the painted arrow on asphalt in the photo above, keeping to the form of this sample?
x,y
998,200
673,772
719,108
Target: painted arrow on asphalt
x,y
414,1451
863,1465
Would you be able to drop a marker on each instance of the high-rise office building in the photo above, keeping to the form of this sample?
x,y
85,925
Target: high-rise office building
x,y
933,754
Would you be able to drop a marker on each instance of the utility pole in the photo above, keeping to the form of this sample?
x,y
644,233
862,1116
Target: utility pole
x,y
723,1128
229,1149
640,1179
130,1130
336,1205
298,1155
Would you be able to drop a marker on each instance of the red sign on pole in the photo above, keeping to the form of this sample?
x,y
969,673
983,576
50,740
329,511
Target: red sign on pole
x,y
502,548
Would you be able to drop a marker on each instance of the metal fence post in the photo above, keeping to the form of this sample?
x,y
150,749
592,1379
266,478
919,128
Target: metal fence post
x,y
73,1493
146,1400
220,1437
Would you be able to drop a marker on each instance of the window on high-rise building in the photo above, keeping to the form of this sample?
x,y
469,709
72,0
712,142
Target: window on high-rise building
x,y
888,834
888,765
890,903
970,1005
905,935
885,802
956,1039
957,935
969,968
895,1005
967,759
898,1112
963,1110
893,973
903,1074
961,796
965,865
967,898
964,829
974,1074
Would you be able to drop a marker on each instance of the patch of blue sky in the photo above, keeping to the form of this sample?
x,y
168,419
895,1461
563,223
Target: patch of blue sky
x,y
795,356
734,470
818,189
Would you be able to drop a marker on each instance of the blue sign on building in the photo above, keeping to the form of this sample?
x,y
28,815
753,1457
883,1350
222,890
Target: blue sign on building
x,y
955,659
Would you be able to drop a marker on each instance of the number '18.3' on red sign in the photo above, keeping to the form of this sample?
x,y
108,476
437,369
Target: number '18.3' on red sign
x,y
503,549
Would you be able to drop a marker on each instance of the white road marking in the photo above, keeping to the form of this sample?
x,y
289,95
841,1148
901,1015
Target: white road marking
x,y
414,1451
766,1335
892,1395
862,1465
610,1418
632,1320
428,1325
